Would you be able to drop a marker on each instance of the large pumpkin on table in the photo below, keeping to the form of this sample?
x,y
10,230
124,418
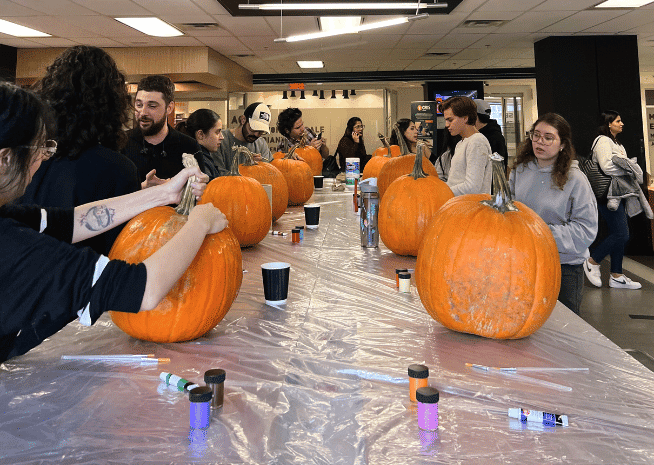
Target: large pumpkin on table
x,y
386,150
266,173
408,206
200,298
311,155
299,178
244,202
379,158
489,267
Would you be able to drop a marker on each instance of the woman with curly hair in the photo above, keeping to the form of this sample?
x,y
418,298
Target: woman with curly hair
x,y
89,97
546,178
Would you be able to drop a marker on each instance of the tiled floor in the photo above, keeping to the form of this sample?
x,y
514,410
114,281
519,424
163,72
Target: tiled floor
x,y
625,316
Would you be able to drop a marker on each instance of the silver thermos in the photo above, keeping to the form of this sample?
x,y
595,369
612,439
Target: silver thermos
x,y
369,211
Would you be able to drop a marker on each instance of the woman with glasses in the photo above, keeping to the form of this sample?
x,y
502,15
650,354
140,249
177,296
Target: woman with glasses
x,y
470,169
546,178
351,144
605,147
89,97
45,283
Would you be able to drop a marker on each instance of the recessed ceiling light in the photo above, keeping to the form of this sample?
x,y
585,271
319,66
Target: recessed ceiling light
x,y
623,3
151,26
343,6
310,64
17,30
329,23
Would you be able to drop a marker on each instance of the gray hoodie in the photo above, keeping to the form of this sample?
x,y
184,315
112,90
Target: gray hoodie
x,y
570,213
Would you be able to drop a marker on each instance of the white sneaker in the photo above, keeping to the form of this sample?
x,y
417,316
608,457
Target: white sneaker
x,y
593,273
623,283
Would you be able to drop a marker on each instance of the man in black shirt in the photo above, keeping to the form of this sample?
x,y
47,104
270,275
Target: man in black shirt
x,y
155,147
489,128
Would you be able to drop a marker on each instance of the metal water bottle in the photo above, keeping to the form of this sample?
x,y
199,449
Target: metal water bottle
x,y
369,212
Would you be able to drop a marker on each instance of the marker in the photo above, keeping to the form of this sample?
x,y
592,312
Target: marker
x,y
526,379
182,384
547,419
278,233
117,358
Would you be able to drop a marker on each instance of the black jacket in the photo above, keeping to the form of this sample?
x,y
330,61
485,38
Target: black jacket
x,y
497,142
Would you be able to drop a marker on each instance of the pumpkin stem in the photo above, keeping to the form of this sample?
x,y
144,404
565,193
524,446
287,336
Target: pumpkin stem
x,y
291,153
187,201
384,141
404,150
238,149
418,172
248,156
502,201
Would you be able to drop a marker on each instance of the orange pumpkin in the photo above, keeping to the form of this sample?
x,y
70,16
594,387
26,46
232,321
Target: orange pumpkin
x,y
201,297
386,150
278,155
396,167
299,178
311,155
408,206
266,173
244,202
378,160
489,267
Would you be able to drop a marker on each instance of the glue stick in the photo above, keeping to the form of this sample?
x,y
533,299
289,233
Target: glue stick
x,y
174,380
418,375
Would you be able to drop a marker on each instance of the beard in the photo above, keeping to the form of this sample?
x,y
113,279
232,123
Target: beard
x,y
154,128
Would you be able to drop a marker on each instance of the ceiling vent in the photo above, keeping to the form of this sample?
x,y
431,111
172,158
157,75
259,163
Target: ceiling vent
x,y
199,26
484,23
437,54
243,55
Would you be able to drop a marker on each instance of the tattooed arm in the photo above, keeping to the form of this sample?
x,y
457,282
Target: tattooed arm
x,y
95,218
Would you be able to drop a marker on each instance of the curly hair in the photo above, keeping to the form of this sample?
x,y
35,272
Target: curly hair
x,y
286,120
158,83
564,160
90,100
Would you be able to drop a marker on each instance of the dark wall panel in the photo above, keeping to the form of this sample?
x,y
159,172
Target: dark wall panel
x,y
8,59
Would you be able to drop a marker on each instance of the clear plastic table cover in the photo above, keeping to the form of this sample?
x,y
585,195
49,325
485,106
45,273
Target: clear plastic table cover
x,y
323,379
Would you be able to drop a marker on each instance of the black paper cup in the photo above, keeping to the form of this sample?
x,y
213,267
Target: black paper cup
x,y
318,181
312,215
275,282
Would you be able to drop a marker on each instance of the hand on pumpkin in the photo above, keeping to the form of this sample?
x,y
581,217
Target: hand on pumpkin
x,y
152,180
176,185
209,216
257,157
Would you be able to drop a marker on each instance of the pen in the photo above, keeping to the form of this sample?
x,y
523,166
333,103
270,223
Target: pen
x,y
278,233
117,358
526,379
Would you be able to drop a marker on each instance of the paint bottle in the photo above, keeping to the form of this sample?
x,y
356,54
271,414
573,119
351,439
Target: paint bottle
x,y
301,228
404,282
200,398
547,419
355,197
427,398
397,275
418,375
182,384
215,379
295,235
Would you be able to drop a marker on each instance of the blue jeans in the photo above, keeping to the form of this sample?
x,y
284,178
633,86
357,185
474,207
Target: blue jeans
x,y
614,243
572,286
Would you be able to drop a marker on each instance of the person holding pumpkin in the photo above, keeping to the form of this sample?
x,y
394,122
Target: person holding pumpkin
x,y
87,156
351,144
291,126
46,282
409,133
605,147
546,177
254,123
471,169
206,127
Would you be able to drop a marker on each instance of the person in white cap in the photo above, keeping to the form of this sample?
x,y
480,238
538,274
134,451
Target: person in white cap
x,y
489,128
254,123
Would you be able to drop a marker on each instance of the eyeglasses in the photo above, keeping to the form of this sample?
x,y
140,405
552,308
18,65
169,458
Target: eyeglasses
x,y
359,126
546,139
49,148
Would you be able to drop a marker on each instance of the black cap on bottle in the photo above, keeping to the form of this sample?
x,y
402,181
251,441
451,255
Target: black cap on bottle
x,y
418,371
426,395
200,394
215,376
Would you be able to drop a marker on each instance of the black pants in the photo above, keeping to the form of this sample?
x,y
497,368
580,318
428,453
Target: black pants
x,y
572,286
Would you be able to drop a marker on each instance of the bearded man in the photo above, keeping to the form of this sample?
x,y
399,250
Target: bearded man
x,y
153,145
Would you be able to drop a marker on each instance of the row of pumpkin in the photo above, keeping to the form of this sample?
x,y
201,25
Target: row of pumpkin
x,y
484,266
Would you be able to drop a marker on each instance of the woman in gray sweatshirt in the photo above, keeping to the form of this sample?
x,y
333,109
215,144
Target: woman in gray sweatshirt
x,y
546,178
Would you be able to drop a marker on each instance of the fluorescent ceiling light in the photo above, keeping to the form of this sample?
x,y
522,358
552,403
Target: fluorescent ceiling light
x,y
329,23
151,26
623,3
353,30
310,64
342,6
17,30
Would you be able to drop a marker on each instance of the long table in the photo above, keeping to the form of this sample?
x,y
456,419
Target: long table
x,y
323,379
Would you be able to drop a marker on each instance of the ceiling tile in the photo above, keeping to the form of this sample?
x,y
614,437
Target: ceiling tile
x,y
14,9
114,8
581,21
509,5
245,26
55,7
169,7
533,21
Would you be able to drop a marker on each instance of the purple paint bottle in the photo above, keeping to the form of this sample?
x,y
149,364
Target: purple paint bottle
x,y
200,398
427,398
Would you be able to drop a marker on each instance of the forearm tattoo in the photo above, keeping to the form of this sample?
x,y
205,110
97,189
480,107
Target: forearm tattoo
x,y
97,218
